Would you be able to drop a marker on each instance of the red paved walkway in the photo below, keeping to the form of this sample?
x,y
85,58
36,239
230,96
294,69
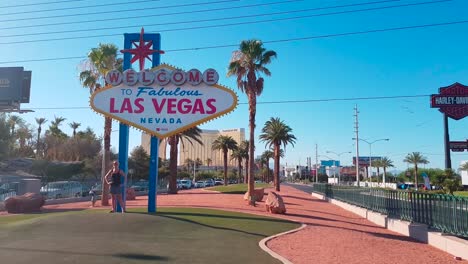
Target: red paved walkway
x,y
332,235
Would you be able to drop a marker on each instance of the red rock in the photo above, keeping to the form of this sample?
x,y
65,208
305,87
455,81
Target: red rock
x,y
274,204
257,193
27,203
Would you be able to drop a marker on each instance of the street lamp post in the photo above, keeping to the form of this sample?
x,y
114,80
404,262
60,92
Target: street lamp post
x,y
369,171
339,155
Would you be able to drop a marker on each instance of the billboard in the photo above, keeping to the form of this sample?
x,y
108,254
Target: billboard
x,y
15,85
364,161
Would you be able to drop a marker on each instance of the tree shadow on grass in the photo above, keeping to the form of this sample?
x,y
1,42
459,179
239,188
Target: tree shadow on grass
x,y
214,227
69,252
141,257
173,215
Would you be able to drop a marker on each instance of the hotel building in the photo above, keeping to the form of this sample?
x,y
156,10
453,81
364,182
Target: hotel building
x,y
196,150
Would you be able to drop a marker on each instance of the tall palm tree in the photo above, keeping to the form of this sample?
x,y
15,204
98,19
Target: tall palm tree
x,y
415,158
208,162
276,133
385,163
377,164
224,143
247,64
74,126
54,127
13,121
40,121
192,134
260,161
238,155
266,156
244,145
101,60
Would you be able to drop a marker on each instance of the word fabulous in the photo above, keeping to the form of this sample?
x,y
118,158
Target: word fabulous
x,y
162,77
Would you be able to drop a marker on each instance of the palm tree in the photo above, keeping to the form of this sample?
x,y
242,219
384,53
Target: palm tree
x,y
74,126
238,155
415,158
173,141
385,163
101,60
208,162
266,156
224,143
376,164
40,121
276,133
247,64
54,127
244,145
13,121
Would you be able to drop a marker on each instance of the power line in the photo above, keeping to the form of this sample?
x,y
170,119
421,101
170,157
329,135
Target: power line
x,y
42,3
157,15
275,41
75,7
228,24
270,102
120,11
239,17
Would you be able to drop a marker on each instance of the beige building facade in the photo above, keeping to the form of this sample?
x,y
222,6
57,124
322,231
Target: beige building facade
x,y
196,150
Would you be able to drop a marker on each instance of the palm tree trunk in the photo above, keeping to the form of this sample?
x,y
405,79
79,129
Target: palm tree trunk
x,y
416,176
277,166
252,111
267,170
225,156
239,169
378,173
106,158
173,165
384,175
246,170
38,142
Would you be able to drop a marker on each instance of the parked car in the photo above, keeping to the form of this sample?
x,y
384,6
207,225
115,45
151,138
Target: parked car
x,y
62,189
209,183
140,186
186,184
200,184
219,182
179,185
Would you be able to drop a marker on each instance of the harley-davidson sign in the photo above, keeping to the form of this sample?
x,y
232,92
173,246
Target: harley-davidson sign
x,y
165,100
452,101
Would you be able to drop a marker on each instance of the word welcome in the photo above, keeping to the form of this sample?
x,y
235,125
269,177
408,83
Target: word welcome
x,y
162,77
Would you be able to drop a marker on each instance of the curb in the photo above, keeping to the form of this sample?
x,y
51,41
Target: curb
x,y
265,248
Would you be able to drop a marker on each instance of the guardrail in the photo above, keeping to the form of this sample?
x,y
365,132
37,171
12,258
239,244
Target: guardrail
x,y
446,213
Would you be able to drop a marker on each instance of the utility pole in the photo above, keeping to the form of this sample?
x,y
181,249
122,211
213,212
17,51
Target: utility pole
x,y
316,164
356,127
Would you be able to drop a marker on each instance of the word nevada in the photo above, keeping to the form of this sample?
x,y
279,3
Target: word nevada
x,y
162,77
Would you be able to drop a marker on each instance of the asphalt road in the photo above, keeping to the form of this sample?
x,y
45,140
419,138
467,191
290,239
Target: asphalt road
x,y
301,187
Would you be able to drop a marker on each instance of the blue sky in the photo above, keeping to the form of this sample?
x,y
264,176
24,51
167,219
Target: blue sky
x,y
395,63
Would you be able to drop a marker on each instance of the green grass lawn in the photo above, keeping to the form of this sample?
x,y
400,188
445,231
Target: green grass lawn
x,y
236,188
175,235
461,193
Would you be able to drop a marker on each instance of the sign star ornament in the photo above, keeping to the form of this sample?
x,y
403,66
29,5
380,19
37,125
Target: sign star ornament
x,y
165,100
142,50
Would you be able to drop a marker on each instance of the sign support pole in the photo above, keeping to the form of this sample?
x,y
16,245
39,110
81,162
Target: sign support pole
x,y
124,129
154,155
448,160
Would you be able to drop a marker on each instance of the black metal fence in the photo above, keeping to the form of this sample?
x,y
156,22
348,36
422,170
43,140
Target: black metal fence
x,y
446,213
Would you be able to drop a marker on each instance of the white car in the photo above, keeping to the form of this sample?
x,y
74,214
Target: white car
x,y
186,184
62,189
200,184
